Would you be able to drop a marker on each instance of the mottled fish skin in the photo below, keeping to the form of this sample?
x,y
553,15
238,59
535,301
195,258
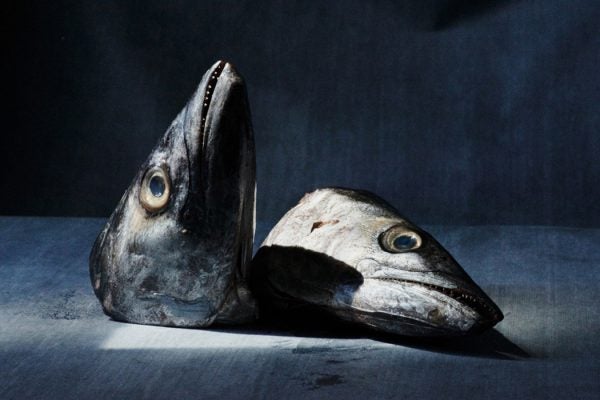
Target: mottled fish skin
x,y
332,251
176,249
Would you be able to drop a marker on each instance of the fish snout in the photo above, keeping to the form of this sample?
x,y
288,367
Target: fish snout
x,y
480,311
446,276
488,313
426,304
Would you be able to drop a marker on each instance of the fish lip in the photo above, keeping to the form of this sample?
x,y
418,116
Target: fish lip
x,y
201,120
200,111
222,81
490,314
209,90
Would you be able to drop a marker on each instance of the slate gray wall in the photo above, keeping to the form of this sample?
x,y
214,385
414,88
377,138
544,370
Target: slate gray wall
x,y
469,112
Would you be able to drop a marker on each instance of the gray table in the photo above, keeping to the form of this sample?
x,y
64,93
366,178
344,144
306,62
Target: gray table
x,y
55,342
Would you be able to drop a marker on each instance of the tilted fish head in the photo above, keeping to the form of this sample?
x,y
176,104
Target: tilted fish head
x,y
350,253
175,250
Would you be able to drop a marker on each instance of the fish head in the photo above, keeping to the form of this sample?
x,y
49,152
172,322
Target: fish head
x,y
174,250
390,274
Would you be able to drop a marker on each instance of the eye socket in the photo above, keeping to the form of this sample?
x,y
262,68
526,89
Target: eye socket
x,y
399,239
155,189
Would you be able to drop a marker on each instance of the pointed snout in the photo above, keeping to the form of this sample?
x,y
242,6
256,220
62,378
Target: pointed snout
x,y
427,309
488,313
219,106
419,309
220,148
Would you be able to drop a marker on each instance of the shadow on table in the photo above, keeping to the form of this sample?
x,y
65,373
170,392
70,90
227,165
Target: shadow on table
x,y
489,344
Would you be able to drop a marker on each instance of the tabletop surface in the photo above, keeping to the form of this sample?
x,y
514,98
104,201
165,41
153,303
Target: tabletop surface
x,y
55,342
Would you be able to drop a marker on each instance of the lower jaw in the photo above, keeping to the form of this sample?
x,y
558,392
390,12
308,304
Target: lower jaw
x,y
402,325
466,299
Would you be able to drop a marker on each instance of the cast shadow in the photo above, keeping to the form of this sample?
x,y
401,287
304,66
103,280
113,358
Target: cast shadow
x,y
316,324
489,344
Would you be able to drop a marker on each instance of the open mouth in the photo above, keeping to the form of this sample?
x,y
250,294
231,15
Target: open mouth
x,y
208,93
475,302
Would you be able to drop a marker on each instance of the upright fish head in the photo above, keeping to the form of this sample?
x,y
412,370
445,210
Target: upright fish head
x,y
389,274
175,249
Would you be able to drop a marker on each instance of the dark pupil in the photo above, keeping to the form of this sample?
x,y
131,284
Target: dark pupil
x,y
157,186
404,242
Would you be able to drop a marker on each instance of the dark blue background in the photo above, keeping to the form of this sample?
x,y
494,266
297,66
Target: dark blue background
x,y
456,112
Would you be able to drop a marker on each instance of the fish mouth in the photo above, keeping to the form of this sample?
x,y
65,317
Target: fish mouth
x,y
209,90
489,313
221,107
217,126
206,105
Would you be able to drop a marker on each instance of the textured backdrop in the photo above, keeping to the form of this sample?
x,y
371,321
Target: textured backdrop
x,y
455,111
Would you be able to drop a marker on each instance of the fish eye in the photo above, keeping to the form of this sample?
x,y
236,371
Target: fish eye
x,y
157,186
405,242
399,239
155,189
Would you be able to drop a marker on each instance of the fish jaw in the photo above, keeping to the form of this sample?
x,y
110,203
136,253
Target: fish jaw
x,y
182,266
415,309
221,169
